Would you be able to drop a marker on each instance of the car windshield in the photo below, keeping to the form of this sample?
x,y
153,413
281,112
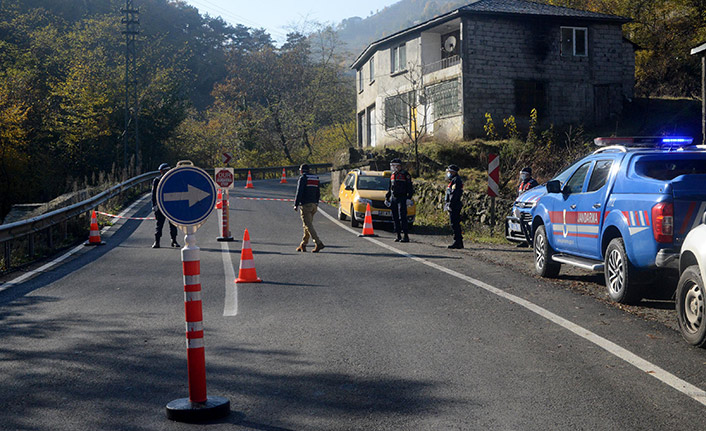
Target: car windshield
x,y
373,182
666,169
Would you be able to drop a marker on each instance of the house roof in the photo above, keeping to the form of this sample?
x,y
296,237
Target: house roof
x,y
698,49
493,7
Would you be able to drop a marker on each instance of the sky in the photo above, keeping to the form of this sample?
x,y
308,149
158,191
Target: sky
x,y
277,15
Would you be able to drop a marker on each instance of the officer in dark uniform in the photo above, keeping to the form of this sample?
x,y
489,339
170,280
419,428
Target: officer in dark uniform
x,y
398,197
308,195
453,203
526,181
163,168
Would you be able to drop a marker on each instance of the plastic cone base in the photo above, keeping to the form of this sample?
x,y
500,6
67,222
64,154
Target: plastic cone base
x,y
242,280
368,235
88,243
183,410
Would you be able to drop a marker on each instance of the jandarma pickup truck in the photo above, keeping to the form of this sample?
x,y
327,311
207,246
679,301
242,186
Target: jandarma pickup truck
x,y
624,210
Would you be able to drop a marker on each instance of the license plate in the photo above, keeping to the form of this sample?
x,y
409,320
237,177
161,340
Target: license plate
x,y
514,227
380,213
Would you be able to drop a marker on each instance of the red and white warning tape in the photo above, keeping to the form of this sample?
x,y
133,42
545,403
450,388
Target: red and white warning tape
x,y
129,218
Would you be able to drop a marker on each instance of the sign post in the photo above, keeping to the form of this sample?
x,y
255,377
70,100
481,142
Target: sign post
x,y
186,196
493,188
224,179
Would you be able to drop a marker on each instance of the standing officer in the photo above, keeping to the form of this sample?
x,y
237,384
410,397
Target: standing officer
x,y
163,168
526,181
308,195
399,196
453,204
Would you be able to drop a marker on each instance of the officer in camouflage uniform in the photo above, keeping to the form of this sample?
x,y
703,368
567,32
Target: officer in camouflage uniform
x,y
307,197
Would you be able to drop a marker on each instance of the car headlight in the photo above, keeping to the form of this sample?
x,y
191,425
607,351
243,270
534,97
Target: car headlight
x,y
363,201
516,212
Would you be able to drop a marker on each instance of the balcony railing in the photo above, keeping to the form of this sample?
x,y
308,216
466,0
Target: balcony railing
x,y
442,64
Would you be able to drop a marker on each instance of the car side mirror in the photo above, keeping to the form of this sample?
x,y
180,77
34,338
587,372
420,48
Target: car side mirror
x,y
554,186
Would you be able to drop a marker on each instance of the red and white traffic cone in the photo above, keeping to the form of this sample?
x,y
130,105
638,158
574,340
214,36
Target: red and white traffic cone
x,y
368,223
94,237
247,272
225,217
198,406
284,177
219,200
248,184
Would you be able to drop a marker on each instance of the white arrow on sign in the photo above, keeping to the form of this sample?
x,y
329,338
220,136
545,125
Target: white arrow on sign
x,y
227,157
193,194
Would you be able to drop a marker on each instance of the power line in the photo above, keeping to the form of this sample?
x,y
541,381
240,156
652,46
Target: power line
x,y
236,18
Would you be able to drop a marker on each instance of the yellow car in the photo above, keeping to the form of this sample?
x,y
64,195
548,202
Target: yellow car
x,y
367,187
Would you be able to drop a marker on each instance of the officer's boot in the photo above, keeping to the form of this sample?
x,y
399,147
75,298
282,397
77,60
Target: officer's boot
x,y
156,242
405,238
399,237
175,243
302,247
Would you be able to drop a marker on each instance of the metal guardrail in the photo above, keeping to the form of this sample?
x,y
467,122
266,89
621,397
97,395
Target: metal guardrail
x,y
20,229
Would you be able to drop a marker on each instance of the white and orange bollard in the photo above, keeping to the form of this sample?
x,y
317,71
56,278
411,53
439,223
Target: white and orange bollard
x,y
198,407
225,216
368,223
94,236
248,184
284,177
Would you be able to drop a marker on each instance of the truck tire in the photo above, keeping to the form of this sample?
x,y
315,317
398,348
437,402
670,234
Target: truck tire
x,y
354,222
690,306
620,275
341,214
543,252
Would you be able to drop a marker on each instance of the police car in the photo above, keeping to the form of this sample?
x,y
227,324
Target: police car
x,y
624,210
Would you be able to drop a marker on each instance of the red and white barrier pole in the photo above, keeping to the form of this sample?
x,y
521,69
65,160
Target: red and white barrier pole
x,y
196,358
225,218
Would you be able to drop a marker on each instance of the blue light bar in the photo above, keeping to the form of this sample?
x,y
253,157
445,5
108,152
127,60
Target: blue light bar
x,y
678,140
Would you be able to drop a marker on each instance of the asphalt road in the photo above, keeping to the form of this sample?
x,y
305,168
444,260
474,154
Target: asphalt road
x,y
366,335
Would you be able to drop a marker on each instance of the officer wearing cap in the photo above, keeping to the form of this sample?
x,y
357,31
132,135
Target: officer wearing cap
x,y
398,196
452,203
307,197
526,180
163,168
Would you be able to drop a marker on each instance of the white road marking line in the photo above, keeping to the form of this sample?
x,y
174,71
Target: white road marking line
x,y
675,382
46,267
230,306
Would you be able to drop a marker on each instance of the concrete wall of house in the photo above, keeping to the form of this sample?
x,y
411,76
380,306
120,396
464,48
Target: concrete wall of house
x,y
498,51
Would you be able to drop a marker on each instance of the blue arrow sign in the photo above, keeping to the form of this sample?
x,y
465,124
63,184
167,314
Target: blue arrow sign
x,y
186,195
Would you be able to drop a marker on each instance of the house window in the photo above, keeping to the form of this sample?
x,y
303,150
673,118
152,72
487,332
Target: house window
x,y
574,41
398,58
398,110
360,80
372,69
444,97
529,95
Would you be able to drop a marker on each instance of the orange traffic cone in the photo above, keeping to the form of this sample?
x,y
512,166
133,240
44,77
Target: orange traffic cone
x,y
368,223
249,185
94,237
284,177
219,200
247,273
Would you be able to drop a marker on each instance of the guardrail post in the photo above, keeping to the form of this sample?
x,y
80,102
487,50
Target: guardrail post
x,y
30,239
50,239
8,255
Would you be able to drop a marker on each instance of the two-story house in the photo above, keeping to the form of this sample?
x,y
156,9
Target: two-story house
x,y
503,57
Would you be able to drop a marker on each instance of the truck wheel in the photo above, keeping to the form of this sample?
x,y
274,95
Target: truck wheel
x,y
620,275
341,214
354,222
543,252
690,306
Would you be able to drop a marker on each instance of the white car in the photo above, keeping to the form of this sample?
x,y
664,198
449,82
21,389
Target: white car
x,y
690,293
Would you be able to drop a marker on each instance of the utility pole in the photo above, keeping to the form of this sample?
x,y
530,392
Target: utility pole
x,y
131,133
